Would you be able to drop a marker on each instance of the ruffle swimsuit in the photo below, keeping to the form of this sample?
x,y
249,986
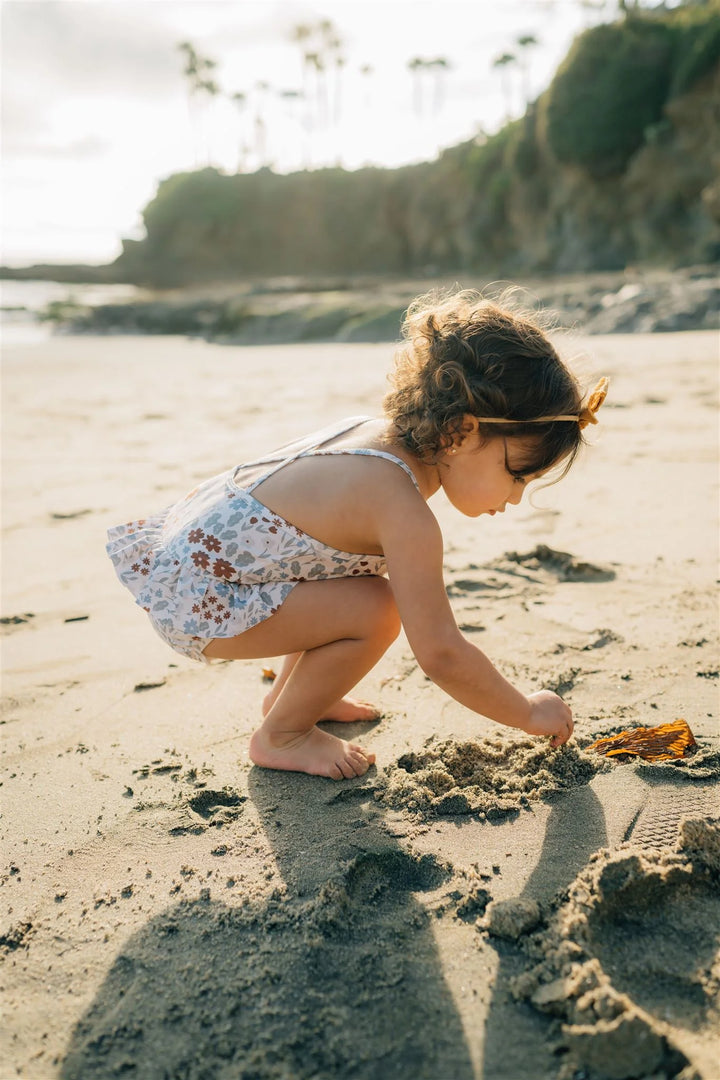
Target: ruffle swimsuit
x,y
218,562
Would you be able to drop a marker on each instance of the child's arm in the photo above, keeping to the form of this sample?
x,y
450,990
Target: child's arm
x,y
413,546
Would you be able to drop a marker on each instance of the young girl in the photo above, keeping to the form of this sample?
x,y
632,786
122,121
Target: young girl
x,y
288,555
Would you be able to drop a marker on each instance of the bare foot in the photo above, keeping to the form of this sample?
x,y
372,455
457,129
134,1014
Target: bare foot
x,y
345,711
314,752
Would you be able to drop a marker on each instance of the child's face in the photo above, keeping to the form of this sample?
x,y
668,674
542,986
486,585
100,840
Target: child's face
x,y
476,477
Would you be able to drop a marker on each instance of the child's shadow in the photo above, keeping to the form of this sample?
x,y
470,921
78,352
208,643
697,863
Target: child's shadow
x,y
335,975
575,829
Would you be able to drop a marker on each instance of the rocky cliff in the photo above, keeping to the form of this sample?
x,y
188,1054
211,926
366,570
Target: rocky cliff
x,y
616,165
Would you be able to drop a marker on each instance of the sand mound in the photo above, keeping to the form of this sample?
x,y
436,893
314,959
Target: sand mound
x,y
488,777
700,766
629,961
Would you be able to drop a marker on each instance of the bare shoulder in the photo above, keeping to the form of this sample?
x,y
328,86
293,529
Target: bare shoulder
x,y
348,501
392,496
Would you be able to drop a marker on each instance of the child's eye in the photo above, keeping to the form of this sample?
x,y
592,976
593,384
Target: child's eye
x,y
519,480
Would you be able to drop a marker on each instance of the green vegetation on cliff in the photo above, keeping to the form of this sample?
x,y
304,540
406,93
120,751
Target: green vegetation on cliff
x,y
617,79
617,163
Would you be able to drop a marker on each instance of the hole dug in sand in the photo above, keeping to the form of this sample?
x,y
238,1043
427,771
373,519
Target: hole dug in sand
x,y
376,872
538,568
208,802
488,778
629,962
560,564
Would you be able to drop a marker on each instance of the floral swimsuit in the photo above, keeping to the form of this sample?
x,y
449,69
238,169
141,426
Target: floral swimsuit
x,y
218,562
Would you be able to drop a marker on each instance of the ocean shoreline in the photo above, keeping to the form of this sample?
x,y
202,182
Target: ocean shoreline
x,y
364,310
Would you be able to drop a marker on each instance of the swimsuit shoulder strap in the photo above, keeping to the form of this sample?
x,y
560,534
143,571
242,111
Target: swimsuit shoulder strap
x,y
373,453
308,445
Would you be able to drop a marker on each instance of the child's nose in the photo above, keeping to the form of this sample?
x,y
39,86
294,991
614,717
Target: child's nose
x,y
516,494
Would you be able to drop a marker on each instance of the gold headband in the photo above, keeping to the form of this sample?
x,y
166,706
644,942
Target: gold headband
x,y
585,417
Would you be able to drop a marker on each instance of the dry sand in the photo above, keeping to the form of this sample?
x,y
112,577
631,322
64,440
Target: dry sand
x,y
478,905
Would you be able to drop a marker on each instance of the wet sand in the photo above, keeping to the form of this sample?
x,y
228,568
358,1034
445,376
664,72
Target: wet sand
x,y
477,906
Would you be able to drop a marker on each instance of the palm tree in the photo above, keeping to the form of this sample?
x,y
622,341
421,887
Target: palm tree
x,y
292,101
440,66
320,43
196,71
301,35
316,63
416,66
502,62
334,46
262,89
525,42
240,101
367,71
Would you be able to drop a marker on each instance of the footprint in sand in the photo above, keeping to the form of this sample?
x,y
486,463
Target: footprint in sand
x,y
374,873
217,807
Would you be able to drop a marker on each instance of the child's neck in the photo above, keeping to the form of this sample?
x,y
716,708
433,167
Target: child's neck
x,y
427,476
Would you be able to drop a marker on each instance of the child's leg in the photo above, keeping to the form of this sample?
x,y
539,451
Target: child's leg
x,y
341,627
345,711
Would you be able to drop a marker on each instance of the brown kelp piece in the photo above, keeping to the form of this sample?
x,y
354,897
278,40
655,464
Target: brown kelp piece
x,y
661,743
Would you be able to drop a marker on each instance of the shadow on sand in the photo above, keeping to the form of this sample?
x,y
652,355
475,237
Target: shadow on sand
x,y
335,976
514,1032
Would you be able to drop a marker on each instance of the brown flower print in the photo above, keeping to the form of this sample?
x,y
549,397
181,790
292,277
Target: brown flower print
x,y
195,536
200,559
222,568
212,543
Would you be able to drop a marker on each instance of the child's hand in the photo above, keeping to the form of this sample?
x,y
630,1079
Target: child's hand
x,y
549,715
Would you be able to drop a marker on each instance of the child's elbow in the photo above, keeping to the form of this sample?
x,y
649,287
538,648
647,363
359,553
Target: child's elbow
x,y
438,659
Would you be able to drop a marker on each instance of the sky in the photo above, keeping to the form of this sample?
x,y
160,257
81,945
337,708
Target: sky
x,y
96,110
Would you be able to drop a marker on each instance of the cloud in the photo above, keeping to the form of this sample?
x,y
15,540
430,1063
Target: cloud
x,y
77,47
83,149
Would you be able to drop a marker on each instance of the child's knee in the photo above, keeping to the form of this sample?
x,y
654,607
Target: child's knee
x,y
386,617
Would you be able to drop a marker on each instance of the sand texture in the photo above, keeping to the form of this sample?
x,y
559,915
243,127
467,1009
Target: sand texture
x,y
476,906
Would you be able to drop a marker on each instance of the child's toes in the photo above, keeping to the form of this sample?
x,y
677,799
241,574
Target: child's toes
x,y
369,758
346,767
358,762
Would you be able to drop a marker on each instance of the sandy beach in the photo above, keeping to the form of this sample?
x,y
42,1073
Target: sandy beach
x,y
477,907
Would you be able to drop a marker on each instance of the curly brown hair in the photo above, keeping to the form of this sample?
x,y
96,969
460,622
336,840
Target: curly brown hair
x,y
468,354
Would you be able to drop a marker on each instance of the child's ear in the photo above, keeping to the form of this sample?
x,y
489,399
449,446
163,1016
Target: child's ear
x,y
469,425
